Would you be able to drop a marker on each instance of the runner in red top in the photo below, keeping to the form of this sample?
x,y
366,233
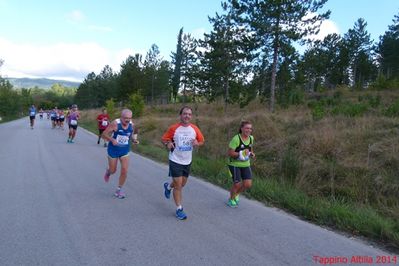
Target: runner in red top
x,y
103,122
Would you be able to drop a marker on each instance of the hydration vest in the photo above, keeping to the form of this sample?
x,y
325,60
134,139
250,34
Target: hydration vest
x,y
242,146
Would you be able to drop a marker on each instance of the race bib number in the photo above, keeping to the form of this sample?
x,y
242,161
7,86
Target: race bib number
x,y
32,113
122,140
104,123
73,122
185,143
62,117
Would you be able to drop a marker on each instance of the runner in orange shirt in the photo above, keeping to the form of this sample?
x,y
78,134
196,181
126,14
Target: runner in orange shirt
x,y
180,139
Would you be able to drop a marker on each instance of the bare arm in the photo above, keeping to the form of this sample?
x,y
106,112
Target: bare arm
x,y
235,155
198,143
133,137
108,132
232,153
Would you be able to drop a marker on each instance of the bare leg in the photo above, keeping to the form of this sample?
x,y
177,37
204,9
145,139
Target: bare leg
x,y
240,187
235,190
177,185
73,133
124,168
112,164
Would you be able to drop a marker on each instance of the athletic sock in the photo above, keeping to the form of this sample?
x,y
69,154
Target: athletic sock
x,y
179,207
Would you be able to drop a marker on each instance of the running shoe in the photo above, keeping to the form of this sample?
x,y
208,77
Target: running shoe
x,y
98,141
237,199
167,191
69,141
106,175
232,203
119,194
180,214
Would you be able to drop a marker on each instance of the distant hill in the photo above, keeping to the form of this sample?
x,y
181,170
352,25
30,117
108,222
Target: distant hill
x,y
41,83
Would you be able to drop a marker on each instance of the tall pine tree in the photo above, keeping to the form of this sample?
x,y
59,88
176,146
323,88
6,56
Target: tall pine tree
x,y
276,23
225,57
177,61
359,45
388,50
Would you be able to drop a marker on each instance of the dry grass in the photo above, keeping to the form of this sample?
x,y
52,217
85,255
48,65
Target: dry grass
x,y
338,171
352,158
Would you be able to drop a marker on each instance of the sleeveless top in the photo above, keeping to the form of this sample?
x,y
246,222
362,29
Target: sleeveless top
x,y
122,136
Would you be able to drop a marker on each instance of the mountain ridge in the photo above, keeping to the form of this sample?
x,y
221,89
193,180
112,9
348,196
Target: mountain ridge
x,y
44,83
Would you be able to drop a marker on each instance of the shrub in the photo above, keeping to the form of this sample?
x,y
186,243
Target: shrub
x,y
110,106
350,109
318,112
136,104
373,101
296,97
148,125
292,97
334,101
382,83
184,99
393,109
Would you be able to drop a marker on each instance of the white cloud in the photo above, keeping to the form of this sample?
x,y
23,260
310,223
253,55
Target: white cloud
x,y
71,61
327,27
75,16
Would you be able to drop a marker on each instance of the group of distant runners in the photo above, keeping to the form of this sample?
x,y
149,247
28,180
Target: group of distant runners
x,y
58,117
180,139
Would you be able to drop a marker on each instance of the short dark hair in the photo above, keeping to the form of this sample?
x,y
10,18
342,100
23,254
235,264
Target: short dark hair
x,y
243,124
185,107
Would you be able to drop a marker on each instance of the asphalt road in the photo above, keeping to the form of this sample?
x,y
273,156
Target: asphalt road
x,y
55,209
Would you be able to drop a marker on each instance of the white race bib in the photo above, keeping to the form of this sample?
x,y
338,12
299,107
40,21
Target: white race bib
x,y
122,140
73,122
184,143
32,113
104,123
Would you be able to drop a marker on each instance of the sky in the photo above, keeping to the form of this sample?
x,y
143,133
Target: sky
x,y
68,39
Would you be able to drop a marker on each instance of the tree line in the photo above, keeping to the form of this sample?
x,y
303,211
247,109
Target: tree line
x,y
251,53
15,102
148,78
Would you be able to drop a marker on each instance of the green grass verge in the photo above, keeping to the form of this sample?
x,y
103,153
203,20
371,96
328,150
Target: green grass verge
x,y
92,127
357,220
5,119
